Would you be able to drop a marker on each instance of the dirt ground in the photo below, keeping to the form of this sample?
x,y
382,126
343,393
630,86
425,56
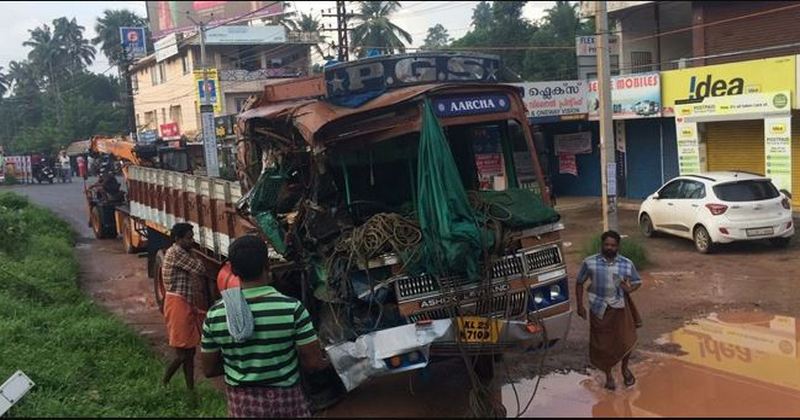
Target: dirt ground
x,y
679,286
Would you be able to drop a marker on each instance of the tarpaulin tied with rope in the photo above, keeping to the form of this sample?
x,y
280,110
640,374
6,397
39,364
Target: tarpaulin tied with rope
x,y
451,236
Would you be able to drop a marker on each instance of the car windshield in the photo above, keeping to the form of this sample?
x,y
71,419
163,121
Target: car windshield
x,y
750,190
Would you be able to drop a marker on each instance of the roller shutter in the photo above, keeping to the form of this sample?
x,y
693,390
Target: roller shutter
x,y
796,161
735,146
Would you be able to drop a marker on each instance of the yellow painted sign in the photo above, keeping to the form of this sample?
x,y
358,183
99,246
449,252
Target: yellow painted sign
x,y
475,329
693,85
212,90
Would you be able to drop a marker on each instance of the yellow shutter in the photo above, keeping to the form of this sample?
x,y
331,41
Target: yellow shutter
x,y
735,146
796,161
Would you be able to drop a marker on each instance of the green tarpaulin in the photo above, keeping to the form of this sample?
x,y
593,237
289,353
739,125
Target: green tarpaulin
x,y
451,236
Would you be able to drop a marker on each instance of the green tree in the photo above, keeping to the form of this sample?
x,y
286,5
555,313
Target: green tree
x,y
5,83
437,38
309,24
482,15
77,52
375,29
559,27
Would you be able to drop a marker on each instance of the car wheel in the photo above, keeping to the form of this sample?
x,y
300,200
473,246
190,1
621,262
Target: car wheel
x,y
780,242
702,240
646,226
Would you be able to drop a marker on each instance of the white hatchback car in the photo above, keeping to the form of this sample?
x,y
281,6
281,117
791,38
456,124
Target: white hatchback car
x,y
719,207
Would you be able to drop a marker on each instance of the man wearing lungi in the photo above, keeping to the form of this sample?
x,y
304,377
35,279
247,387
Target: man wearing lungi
x,y
182,272
259,339
613,318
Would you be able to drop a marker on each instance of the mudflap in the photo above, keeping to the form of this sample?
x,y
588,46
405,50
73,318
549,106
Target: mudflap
x,y
323,388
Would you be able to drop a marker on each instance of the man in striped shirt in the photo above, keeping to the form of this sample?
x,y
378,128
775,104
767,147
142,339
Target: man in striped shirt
x,y
261,368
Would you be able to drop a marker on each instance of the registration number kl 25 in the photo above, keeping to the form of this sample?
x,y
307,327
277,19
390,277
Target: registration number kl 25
x,y
474,329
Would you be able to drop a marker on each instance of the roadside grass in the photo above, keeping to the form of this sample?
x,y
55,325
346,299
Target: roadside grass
x,y
630,248
84,361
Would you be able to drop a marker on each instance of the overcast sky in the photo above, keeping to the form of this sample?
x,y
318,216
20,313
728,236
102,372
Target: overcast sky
x,y
415,17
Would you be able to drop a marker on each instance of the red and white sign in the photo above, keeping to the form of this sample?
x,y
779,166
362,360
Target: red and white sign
x,y
170,131
490,165
567,164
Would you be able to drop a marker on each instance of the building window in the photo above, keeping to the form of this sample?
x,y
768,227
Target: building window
x,y
134,83
154,77
162,72
240,104
248,60
175,115
641,61
187,67
150,119
163,115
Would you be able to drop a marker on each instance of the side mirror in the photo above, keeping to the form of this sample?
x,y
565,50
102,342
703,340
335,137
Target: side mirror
x,y
656,196
787,194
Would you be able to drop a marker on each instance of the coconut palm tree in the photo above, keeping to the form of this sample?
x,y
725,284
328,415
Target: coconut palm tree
x,y
375,30
308,23
107,29
5,83
46,54
78,53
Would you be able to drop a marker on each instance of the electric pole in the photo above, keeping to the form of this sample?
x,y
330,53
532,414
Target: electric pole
x,y
341,15
207,111
126,67
608,165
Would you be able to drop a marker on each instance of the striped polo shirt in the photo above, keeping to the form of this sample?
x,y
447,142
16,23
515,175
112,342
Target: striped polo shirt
x,y
269,357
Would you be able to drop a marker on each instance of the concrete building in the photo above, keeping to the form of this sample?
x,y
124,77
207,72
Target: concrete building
x,y
246,58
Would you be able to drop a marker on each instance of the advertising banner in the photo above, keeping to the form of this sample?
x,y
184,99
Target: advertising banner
x,y
753,105
567,164
134,42
586,46
694,85
688,147
212,90
166,47
170,131
552,101
573,143
166,17
246,35
778,151
633,96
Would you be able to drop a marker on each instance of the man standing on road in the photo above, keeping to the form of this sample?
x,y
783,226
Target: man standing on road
x,y
64,167
613,316
181,273
259,339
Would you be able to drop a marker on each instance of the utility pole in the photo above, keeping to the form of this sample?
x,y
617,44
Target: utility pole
x,y
341,29
207,111
126,66
608,165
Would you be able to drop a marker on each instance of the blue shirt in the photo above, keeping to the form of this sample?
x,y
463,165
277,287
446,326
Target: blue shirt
x,y
605,290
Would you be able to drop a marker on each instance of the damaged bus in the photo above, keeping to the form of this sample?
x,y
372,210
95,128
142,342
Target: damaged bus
x,y
403,202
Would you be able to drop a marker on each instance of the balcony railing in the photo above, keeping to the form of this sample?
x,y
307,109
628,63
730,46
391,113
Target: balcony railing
x,y
240,75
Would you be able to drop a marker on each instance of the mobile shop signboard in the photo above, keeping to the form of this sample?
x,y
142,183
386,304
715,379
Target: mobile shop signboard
x,y
555,101
133,42
632,96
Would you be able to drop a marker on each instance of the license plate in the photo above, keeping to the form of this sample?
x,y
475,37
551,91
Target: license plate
x,y
760,231
476,329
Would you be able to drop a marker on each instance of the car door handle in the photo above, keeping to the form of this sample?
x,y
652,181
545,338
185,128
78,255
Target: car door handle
x,y
670,204
695,205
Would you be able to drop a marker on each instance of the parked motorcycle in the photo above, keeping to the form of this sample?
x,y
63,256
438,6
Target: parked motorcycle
x,y
43,172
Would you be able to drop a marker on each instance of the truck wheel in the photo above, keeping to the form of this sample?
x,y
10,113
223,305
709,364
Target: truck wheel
x,y
127,240
159,290
96,222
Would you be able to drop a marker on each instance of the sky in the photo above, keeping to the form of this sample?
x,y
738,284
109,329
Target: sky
x,y
415,17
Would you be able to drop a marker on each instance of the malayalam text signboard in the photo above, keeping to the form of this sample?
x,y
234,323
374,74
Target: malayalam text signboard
x,y
554,101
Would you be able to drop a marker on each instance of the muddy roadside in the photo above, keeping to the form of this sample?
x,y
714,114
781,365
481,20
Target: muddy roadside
x,y
678,286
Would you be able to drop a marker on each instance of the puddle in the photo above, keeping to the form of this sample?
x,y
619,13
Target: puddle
x,y
742,364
